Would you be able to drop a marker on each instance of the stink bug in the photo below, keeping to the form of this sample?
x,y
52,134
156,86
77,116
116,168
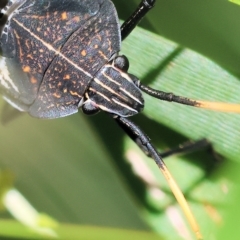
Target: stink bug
x,y
57,58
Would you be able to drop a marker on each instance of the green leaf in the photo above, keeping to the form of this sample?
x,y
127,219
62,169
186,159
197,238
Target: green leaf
x,y
188,74
235,1
66,231
170,68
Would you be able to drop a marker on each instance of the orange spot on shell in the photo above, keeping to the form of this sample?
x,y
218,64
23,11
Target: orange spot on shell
x,y
76,19
64,16
83,53
30,56
33,80
66,77
74,93
26,69
102,54
56,95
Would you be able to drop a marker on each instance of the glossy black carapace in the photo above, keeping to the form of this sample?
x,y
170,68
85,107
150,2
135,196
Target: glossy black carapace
x,y
59,57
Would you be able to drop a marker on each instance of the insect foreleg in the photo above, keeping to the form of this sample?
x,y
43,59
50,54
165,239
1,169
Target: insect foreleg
x,y
136,17
144,142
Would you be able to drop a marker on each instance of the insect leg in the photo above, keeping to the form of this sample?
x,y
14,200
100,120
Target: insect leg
x,y
136,17
190,146
144,142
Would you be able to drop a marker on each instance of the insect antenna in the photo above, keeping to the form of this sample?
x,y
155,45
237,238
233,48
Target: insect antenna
x,y
143,141
170,97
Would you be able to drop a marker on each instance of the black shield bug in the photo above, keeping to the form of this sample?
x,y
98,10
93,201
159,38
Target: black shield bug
x,y
56,58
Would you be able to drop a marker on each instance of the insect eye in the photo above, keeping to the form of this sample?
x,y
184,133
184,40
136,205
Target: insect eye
x,y
121,62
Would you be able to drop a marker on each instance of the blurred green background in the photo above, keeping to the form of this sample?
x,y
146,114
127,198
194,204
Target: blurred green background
x,y
77,170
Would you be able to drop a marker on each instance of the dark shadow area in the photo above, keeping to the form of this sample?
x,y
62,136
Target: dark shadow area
x,y
161,137
3,3
112,136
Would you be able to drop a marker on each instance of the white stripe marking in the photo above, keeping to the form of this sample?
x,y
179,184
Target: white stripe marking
x,y
131,96
110,79
49,47
106,87
13,104
95,91
124,105
123,74
5,79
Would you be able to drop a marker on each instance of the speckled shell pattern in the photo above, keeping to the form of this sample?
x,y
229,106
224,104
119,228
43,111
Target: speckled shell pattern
x,y
52,49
